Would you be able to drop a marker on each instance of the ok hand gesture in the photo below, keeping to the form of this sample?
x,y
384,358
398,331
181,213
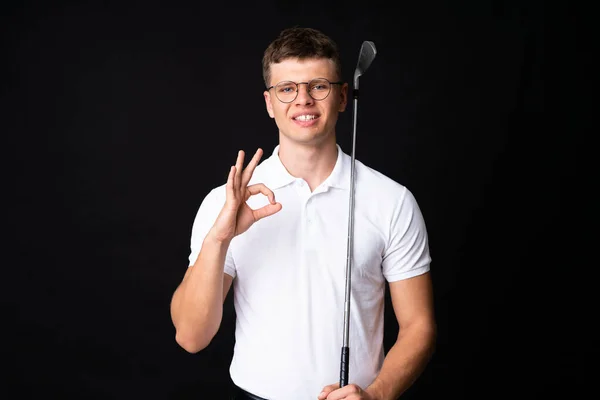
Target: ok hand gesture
x,y
236,216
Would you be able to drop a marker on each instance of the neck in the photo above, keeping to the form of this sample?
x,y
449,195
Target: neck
x,y
311,162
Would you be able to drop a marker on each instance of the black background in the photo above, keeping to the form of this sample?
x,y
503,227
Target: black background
x,y
118,118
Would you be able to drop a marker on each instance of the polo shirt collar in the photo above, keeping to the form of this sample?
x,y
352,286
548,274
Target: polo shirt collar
x,y
278,176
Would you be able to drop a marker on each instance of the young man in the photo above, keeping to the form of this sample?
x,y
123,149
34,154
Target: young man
x,y
278,233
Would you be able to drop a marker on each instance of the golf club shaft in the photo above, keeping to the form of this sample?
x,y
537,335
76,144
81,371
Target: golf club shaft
x,y
345,361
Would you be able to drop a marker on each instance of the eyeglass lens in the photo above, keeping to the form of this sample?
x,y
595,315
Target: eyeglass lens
x,y
287,91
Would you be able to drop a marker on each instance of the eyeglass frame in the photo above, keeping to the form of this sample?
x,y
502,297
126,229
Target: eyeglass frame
x,y
308,91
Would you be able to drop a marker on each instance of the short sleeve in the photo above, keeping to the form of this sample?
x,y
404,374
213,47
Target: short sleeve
x,y
407,251
205,218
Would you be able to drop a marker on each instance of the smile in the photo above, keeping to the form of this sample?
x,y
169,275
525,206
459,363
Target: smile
x,y
307,117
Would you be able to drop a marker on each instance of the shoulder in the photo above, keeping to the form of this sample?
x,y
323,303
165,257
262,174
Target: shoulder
x,y
263,171
382,194
215,198
368,178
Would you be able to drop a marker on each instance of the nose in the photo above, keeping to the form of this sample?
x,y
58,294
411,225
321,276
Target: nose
x,y
303,97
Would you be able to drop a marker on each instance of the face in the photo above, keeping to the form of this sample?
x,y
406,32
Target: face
x,y
305,120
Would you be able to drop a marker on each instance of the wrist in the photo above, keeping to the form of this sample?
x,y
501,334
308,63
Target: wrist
x,y
374,392
213,239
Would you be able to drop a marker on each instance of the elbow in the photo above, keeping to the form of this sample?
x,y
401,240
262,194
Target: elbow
x,y
425,332
192,344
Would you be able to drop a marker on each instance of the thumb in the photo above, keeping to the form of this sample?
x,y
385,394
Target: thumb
x,y
265,211
328,389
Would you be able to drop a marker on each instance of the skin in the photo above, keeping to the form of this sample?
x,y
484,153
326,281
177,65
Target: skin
x,y
308,150
413,306
197,303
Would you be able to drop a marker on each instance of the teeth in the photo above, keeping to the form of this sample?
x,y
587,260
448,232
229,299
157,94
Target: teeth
x,y
305,117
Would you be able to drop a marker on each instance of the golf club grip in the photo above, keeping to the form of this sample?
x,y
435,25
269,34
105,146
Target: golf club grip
x,y
344,366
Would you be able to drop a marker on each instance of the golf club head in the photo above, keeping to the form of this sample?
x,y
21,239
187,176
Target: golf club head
x,y
365,58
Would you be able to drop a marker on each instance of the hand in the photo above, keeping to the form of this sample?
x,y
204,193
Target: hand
x,y
236,216
348,392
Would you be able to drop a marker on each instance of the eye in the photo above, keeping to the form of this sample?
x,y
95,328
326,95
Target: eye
x,y
319,86
286,88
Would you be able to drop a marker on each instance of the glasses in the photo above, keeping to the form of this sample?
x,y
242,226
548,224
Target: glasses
x,y
318,89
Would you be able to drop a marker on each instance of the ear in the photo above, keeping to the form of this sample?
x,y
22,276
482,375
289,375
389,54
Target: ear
x,y
267,96
343,98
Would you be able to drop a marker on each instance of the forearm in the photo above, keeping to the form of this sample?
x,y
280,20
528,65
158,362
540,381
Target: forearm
x,y
404,362
197,304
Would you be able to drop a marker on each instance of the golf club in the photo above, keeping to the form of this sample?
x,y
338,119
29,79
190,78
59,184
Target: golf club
x,y
366,57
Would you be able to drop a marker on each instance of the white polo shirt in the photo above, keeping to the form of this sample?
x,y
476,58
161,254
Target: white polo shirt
x,y
289,272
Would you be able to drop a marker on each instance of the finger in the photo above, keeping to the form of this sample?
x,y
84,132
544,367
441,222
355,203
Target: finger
x,y
266,211
347,392
229,189
260,188
250,168
328,389
239,166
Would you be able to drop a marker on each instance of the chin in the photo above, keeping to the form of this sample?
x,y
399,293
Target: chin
x,y
315,138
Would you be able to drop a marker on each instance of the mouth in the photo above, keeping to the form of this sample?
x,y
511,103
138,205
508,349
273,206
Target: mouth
x,y
305,120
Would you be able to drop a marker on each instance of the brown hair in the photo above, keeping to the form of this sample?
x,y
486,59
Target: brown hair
x,y
300,43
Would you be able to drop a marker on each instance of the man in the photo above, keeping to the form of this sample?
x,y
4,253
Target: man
x,y
278,232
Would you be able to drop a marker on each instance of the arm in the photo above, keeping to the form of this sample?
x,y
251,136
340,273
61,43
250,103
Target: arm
x,y
413,305
412,300
197,304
